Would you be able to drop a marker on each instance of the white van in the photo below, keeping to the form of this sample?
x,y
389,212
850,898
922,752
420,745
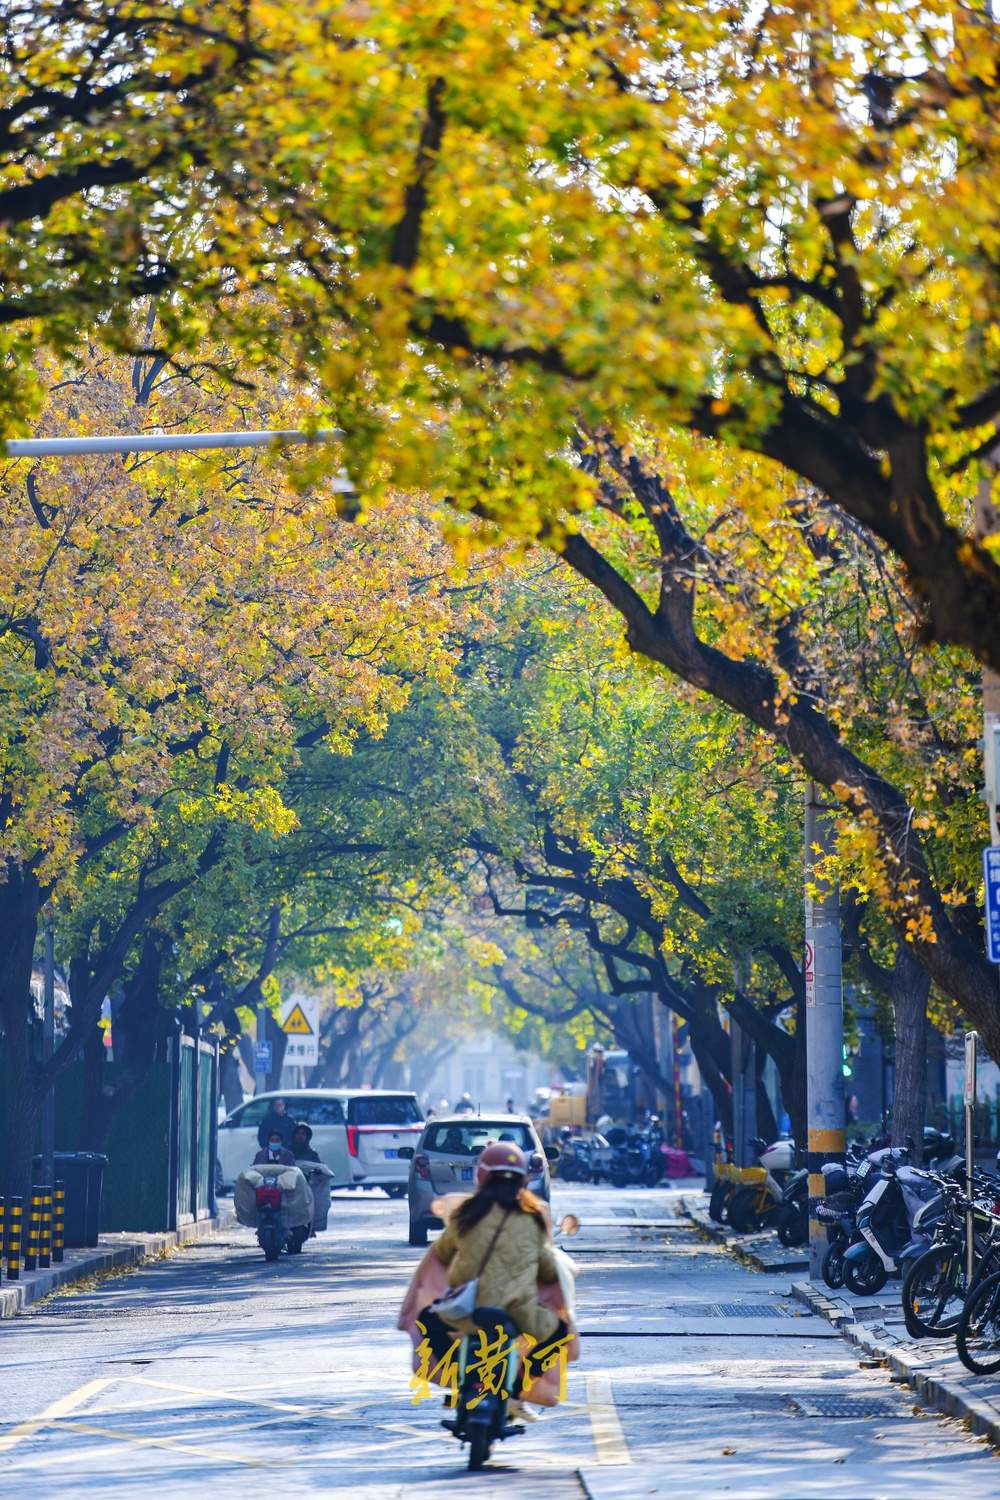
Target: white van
x,y
379,1123
322,1109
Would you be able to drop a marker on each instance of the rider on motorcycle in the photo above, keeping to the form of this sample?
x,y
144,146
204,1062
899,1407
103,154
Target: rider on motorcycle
x,y
275,1152
504,1215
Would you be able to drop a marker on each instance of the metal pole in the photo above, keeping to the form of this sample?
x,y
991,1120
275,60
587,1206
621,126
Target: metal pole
x,y
173,442
48,1047
824,1016
260,1070
971,1047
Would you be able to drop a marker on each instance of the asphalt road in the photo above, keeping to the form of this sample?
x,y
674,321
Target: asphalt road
x,y
214,1373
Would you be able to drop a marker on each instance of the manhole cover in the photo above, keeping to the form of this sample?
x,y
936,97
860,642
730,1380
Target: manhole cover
x,y
864,1408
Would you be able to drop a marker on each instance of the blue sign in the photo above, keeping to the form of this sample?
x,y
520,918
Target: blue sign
x,y
262,1052
991,875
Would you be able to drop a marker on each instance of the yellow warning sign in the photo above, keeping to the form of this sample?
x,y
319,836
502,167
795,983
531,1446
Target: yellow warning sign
x,y
295,1023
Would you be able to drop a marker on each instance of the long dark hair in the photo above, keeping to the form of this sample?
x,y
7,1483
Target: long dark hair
x,y
505,1190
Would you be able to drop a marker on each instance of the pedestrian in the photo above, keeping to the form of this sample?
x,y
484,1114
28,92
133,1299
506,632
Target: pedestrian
x,y
277,1118
510,1107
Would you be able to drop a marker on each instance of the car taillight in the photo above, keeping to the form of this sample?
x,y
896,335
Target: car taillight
x,y
352,1139
422,1167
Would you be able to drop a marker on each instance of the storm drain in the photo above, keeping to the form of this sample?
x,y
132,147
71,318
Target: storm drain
x,y
723,1310
748,1310
863,1408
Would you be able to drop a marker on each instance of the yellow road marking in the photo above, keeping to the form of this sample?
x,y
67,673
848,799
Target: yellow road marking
x,y
52,1413
609,1440
218,1454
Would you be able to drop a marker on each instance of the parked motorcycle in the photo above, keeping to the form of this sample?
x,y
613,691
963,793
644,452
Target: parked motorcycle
x,y
887,1239
637,1160
758,1199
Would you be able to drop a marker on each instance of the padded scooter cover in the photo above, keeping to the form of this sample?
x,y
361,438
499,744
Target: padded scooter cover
x,y
296,1197
319,1177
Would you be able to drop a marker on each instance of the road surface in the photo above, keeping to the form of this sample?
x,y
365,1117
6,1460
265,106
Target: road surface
x,y
215,1374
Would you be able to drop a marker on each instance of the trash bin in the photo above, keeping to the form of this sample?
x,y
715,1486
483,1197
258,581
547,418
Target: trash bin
x,y
82,1174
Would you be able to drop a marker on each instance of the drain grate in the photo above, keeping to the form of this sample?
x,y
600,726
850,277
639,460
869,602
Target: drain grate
x,y
864,1408
748,1310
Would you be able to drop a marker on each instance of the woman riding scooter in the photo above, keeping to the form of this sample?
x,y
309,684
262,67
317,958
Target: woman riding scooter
x,y
499,1236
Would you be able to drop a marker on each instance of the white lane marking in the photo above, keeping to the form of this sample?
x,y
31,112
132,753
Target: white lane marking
x,y
53,1412
218,1455
609,1439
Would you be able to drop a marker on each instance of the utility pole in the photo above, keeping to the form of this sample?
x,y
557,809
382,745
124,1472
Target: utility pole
x,y
824,1015
48,1047
987,524
262,1050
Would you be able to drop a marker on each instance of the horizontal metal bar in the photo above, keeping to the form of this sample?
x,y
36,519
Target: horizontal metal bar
x,y
163,442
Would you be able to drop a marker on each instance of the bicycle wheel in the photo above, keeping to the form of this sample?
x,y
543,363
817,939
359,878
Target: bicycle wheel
x,y
934,1293
978,1337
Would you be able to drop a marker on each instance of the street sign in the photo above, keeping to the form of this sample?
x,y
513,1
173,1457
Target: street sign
x,y
991,876
262,1057
295,1023
969,1091
300,1023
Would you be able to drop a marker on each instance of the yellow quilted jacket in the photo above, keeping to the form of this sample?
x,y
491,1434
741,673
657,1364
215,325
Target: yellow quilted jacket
x,y
521,1257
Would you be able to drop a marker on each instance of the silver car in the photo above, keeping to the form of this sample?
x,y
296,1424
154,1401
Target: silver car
x,y
444,1161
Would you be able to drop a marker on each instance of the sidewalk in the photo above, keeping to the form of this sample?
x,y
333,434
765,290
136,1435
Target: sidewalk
x,y
930,1366
762,1252
876,1328
114,1250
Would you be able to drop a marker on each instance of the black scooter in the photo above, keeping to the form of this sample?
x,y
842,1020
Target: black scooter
x,y
273,1234
488,1363
637,1160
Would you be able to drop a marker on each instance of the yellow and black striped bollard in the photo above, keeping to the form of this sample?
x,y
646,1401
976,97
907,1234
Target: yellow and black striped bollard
x,y
45,1236
3,1232
58,1222
34,1229
14,1238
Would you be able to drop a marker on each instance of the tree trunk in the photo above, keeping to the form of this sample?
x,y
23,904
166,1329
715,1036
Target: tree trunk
x,y
229,1078
909,989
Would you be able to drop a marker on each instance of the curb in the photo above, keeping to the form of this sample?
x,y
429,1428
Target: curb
x,y
741,1247
944,1393
15,1296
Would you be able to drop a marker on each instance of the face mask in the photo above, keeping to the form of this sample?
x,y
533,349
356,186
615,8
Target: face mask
x,y
275,1147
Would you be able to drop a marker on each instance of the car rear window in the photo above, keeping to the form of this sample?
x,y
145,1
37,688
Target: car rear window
x,y
469,1140
384,1109
317,1111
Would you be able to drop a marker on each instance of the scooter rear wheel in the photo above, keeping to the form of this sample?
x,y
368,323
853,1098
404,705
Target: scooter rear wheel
x,y
832,1269
717,1202
865,1277
479,1445
270,1242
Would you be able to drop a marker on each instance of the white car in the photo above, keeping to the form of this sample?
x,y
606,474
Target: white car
x,y
321,1109
381,1122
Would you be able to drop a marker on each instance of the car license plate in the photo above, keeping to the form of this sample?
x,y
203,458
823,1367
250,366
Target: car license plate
x,y
391,1155
466,1174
